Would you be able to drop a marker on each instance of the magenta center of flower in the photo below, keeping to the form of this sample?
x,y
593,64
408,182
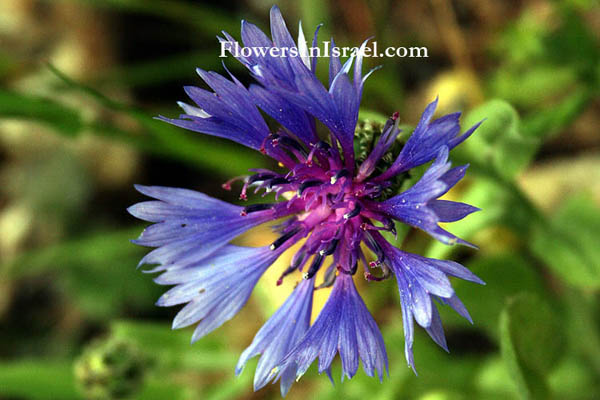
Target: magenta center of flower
x,y
329,204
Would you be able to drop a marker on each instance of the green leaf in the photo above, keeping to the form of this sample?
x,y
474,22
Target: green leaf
x,y
172,349
164,139
505,276
93,250
521,40
552,120
439,394
90,267
60,117
232,389
532,85
493,379
571,378
203,18
436,368
372,115
156,71
9,62
531,342
494,203
312,13
582,312
500,118
38,379
159,388
569,245
575,44
498,141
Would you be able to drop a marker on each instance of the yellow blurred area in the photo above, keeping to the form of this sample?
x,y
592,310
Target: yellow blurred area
x,y
267,292
457,89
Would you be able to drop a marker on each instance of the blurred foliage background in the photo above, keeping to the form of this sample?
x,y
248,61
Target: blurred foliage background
x,y
80,82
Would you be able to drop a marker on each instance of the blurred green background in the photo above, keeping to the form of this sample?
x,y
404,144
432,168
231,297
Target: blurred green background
x,y
80,82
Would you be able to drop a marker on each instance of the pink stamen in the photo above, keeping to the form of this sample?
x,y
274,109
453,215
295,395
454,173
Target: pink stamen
x,y
227,185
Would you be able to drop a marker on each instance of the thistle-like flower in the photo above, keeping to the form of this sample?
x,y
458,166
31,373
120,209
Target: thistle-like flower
x,y
332,201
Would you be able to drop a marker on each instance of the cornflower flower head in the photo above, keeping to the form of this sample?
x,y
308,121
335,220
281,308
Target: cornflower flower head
x,y
331,201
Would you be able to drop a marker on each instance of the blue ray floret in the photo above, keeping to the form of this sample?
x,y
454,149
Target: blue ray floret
x,y
328,201
343,326
277,337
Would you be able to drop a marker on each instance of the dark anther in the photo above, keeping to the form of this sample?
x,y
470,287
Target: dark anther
x,y
343,173
310,183
330,249
291,143
256,207
377,189
285,273
329,278
388,124
277,181
353,213
283,238
374,246
298,259
390,225
345,271
354,268
323,146
314,267
260,177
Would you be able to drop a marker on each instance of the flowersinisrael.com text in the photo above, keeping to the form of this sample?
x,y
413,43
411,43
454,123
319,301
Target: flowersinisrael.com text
x,y
372,50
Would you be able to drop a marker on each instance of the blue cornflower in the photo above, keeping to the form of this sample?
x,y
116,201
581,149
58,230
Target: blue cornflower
x,y
331,199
